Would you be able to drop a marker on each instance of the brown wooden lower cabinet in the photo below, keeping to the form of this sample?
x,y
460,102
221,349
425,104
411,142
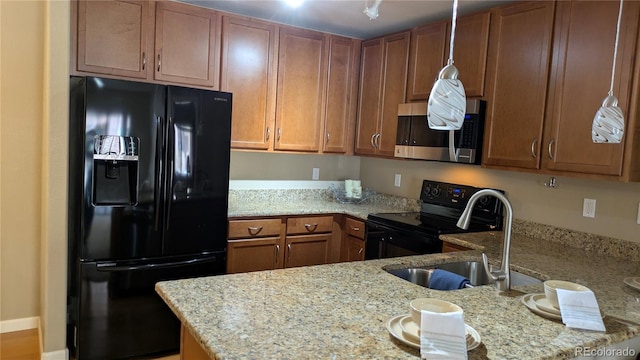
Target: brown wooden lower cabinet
x,y
254,254
449,247
355,249
304,250
190,349
353,240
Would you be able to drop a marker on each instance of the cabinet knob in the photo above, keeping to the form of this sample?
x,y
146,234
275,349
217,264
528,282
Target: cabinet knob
x,y
268,133
289,251
360,251
277,252
144,60
159,62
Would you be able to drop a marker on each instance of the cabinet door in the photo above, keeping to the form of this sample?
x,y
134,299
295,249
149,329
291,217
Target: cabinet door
x,y
304,250
340,108
254,255
187,44
249,72
112,37
355,249
470,51
580,79
370,95
301,85
394,85
426,59
517,72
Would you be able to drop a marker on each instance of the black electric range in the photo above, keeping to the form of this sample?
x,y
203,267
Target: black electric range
x,y
413,233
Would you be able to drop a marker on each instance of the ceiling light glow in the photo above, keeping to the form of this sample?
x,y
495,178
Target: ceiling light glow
x,y
293,3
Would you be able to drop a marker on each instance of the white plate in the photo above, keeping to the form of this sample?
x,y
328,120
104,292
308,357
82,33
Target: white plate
x,y
544,304
409,336
529,302
634,282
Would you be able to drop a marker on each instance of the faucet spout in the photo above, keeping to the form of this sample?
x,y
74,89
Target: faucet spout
x,y
501,277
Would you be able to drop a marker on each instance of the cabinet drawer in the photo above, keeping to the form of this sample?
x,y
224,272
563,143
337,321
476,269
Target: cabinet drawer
x,y
254,228
309,225
355,228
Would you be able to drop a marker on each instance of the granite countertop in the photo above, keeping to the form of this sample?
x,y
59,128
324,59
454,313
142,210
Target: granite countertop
x,y
340,310
257,203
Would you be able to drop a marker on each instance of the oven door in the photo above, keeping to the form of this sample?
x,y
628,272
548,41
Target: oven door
x,y
384,241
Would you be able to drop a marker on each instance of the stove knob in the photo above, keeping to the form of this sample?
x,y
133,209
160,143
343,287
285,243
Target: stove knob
x,y
484,200
435,191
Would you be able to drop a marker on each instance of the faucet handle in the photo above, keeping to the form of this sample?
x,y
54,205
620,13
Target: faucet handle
x,y
495,276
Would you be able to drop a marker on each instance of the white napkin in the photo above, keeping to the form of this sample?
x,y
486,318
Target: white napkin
x,y
442,336
579,310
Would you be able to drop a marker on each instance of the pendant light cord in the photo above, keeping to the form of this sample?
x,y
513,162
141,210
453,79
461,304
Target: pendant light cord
x,y
615,49
453,30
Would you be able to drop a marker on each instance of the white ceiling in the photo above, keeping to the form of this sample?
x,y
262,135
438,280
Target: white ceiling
x,y
346,17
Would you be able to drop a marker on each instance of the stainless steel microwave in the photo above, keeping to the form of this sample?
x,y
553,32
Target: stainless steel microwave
x,y
414,139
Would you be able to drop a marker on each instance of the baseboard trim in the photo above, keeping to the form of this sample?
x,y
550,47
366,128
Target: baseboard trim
x,y
19,324
56,355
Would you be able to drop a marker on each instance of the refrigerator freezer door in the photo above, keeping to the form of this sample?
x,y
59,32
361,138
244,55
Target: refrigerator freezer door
x,y
198,170
113,229
121,315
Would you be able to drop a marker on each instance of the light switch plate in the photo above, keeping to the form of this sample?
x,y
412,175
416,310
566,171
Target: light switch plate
x,y
397,180
589,208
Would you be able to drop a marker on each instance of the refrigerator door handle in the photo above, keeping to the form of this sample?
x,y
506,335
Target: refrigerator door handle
x,y
159,166
114,267
170,169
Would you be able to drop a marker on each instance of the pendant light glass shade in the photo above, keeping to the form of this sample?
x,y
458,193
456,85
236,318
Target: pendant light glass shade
x,y
447,102
608,124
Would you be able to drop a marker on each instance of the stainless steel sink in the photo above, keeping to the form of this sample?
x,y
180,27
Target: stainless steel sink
x,y
472,270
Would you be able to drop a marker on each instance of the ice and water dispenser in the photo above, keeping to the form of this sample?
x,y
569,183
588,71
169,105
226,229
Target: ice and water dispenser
x,y
115,170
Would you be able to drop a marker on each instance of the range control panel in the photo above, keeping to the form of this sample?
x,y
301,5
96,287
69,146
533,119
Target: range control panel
x,y
454,195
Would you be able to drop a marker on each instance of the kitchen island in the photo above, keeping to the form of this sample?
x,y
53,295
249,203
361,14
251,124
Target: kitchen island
x,y
340,310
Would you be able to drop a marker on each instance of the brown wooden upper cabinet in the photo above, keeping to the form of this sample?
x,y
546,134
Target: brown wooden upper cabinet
x,y
584,40
517,73
470,48
248,71
112,37
187,44
545,125
383,78
426,58
301,89
429,52
342,95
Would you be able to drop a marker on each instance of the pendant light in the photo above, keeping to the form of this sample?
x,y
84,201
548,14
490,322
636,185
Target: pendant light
x,y
447,101
608,124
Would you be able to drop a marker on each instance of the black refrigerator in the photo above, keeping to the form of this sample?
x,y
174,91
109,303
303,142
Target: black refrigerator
x,y
148,189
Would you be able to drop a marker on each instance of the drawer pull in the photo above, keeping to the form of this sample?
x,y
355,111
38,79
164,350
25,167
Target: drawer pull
x,y
311,227
355,228
254,230
360,251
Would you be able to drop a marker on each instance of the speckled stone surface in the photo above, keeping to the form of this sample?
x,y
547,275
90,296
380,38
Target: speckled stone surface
x,y
339,311
245,203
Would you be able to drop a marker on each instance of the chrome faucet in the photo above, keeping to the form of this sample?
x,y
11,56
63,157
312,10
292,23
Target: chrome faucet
x,y
501,277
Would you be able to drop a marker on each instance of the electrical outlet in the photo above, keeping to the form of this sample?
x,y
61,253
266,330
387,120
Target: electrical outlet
x,y
638,219
589,208
397,180
316,174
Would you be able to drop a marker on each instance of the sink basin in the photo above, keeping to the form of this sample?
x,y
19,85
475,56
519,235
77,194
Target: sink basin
x,y
472,270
